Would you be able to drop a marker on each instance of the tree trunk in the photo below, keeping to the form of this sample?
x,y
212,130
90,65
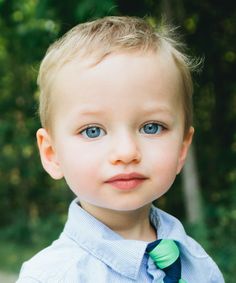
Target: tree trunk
x,y
191,189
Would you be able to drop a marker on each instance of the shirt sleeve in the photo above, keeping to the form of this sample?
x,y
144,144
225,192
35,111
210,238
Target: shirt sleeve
x,y
216,275
27,280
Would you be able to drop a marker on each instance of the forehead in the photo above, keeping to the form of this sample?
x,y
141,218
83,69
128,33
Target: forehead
x,y
136,75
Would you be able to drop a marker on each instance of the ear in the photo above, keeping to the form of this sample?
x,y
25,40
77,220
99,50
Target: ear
x,y
48,154
184,149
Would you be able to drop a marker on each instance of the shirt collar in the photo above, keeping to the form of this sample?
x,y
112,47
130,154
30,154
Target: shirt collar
x,y
169,227
123,256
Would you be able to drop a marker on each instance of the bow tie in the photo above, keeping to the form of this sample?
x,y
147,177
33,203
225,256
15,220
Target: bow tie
x,y
165,254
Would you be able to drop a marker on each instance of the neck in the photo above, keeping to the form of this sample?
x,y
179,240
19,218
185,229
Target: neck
x,y
133,225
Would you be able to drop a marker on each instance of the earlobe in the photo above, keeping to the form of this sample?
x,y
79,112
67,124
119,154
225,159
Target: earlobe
x,y
184,150
48,154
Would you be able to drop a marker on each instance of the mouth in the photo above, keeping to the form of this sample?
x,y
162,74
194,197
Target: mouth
x,y
126,181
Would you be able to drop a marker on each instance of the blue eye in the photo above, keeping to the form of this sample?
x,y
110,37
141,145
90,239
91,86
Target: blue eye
x,y
151,129
93,132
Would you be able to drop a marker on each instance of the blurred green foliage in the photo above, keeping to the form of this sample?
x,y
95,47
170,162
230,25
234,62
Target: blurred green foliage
x,y
33,207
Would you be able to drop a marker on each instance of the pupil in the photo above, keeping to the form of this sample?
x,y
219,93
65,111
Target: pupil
x,y
151,128
93,132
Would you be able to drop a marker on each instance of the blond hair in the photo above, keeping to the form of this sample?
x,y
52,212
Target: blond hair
x,y
99,38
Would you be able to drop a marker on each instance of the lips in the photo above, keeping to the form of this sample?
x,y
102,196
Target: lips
x,y
126,181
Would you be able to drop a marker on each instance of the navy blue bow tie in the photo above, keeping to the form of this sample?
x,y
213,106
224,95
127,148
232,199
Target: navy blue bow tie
x,y
165,254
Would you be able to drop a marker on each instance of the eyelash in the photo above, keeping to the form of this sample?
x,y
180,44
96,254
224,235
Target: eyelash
x,y
90,127
157,124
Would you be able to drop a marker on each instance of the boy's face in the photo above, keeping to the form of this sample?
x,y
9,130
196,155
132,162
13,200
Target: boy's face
x,y
122,116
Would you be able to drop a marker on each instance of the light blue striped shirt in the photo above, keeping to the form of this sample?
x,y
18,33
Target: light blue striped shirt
x,y
87,251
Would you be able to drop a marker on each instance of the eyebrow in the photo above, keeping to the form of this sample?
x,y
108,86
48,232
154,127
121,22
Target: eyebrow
x,y
150,109
87,111
146,110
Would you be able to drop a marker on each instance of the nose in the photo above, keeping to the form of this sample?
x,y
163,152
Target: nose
x,y
124,150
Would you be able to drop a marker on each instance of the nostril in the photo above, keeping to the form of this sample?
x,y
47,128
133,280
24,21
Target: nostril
x,y
125,157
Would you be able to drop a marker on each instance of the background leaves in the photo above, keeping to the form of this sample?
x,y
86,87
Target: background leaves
x,y
33,207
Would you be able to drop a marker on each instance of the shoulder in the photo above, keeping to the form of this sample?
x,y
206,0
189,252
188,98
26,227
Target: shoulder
x,y
53,263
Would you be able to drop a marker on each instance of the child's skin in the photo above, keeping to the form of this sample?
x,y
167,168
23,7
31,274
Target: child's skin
x,y
121,116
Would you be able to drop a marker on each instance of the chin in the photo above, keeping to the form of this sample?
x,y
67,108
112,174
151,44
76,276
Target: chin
x,y
126,207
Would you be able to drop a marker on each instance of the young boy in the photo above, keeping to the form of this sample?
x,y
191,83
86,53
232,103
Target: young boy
x,y
115,108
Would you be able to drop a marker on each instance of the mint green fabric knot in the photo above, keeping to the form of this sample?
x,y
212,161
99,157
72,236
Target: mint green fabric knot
x,y
166,256
165,253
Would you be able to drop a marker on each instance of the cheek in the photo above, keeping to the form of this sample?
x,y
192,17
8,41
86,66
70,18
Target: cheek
x,y
164,160
80,167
